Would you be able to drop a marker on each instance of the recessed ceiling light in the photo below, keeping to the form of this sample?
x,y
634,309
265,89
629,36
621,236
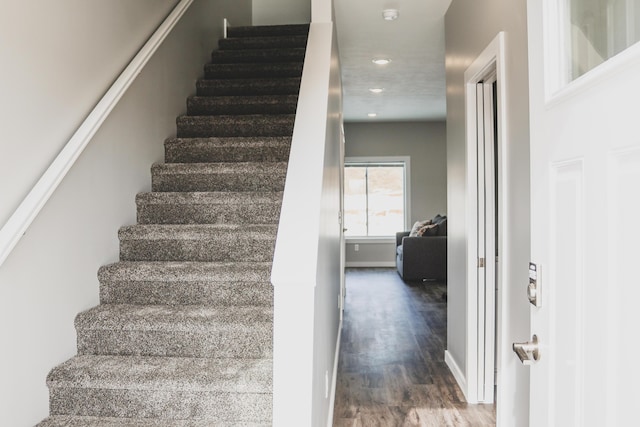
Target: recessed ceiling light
x,y
376,89
381,61
390,14
372,114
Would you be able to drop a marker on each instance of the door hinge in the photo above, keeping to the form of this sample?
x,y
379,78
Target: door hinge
x,y
480,262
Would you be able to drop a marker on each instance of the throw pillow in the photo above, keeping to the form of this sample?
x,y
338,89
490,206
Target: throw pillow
x,y
417,226
428,230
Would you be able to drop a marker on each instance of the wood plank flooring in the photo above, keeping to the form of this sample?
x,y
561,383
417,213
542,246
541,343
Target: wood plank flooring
x,y
391,370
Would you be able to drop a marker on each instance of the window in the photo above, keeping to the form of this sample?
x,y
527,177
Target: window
x,y
375,196
600,29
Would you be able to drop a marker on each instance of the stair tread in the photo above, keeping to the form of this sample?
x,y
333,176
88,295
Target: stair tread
x,y
211,197
239,43
160,373
259,141
181,318
80,421
253,86
246,99
235,125
267,55
220,167
232,149
268,30
182,271
242,105
242,118
255,70
252,232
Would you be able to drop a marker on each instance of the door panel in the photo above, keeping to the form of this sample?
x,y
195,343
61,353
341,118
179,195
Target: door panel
x,y
486,239
585,231
565,355
624,212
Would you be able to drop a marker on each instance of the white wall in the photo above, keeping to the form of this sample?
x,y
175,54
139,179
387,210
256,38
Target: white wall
x,y
58,59
470,27
425,143
275,12
306,272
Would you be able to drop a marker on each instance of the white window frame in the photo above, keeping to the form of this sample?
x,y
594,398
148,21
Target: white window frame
x,y
407,193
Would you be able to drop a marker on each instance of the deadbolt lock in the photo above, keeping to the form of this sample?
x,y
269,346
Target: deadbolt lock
x,y
528,352
533,290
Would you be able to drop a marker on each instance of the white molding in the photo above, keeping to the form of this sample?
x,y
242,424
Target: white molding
x,y
492,59
21,219
365,264
334,379
457,374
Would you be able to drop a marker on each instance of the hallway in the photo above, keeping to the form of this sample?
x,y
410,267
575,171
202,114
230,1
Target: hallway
x,y
391,370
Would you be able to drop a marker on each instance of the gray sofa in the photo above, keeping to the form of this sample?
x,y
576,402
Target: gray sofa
x,y
423,257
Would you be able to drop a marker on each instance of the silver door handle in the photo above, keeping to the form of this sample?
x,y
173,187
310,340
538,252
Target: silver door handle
x,y
528,352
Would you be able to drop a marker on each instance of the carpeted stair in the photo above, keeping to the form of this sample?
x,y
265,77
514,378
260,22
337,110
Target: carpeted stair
x,y
183,333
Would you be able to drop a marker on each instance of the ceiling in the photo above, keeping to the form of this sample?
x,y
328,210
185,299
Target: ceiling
x,y
414,80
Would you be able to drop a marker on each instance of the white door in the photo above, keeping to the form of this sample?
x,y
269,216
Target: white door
x,y
585,211
487,239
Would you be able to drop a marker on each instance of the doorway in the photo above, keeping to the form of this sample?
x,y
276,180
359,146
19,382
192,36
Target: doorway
x,y
485,108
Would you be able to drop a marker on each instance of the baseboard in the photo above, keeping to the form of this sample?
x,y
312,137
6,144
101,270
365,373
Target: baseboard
x,y
370,264
457,372
334,380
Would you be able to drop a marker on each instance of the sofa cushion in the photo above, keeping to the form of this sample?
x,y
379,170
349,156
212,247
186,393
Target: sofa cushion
x,y
442,227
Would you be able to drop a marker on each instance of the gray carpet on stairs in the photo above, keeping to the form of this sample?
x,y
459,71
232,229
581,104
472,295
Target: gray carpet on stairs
x,y
184,330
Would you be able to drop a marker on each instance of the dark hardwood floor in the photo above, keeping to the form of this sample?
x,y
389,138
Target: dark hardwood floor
x,y
391,370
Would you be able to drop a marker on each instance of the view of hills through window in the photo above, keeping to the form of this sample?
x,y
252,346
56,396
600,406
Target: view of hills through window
x,y
374,199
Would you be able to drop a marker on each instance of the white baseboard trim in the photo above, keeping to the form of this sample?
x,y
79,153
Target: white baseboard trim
x,y
334,380
457,372
370,264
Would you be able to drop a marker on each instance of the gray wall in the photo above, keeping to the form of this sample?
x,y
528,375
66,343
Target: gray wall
x,y
58,59
274,12
425,144
470,26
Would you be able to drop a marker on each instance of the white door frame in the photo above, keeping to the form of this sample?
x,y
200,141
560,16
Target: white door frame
x,y
481,311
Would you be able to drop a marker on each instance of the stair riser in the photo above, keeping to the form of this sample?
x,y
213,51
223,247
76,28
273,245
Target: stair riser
x,y
263,43
196,250
208,214
166,181
206,107
164,404
225,343
285,86
242,71
268,31
187,293
257,56
211,152
238,126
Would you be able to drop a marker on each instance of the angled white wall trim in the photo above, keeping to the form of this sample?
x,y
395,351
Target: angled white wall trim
x,y
21,219
334,379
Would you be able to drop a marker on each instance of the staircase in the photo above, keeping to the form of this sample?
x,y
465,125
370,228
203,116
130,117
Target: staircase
x,y
183,332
